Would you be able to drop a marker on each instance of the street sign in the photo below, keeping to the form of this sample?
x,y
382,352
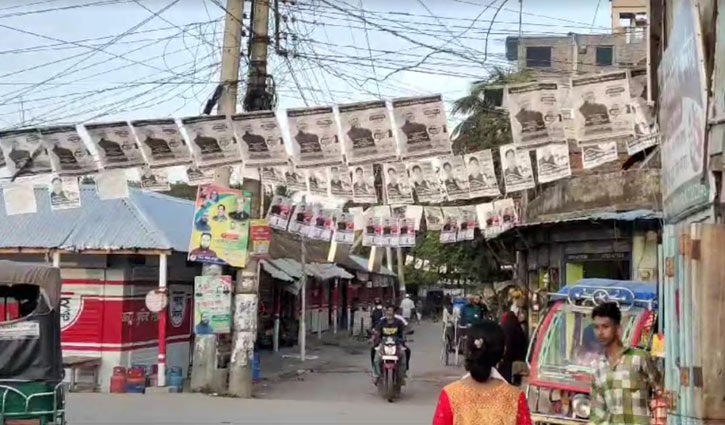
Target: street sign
x,y
156,301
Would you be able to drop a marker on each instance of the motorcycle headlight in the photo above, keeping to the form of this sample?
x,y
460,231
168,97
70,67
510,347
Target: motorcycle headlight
x,y
581,406
389,350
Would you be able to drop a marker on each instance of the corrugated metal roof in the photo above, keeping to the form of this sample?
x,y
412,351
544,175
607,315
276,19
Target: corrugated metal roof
x,y
322,271
600,216
145,220
362,265
275,272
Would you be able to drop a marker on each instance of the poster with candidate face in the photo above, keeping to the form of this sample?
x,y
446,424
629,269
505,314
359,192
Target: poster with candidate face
x,y
24,153
453,177
212,141
344,228
449,231
406,232
155,180
116,145
517,173
534,110
422,127
279,212
162,142
423,179
413,213
196,176
433,218
368,133
317,181
296,180
552,162
314,136
65,193
505,210
596,155
69,156
482,180
488,220
363,185
397,187
260,138
340,182
273,175
601,107
467,223
322,225
301,218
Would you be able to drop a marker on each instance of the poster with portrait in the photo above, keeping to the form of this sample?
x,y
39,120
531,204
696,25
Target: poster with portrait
x,y
220,232
116,145
295,178
422,127
449,231
397,187
280,211
552,162
195,176
467,223
407,232
317,181
340,182
161,142
453,177
482,180
371,223
363,185
358,216
212,305
273,175
600,106
314,136
260,138
433,218
24,153
411,212
301,219
534,111
155,180
64,193
423,179
367,129
505,210
596,155
488,221
69,156
322,225
212,141
644,136
344,228
517,172
391,230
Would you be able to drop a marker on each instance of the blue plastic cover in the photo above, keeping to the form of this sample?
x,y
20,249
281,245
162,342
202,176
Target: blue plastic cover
x,y
626,292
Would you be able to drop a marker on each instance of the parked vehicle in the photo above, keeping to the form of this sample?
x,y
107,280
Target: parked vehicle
x,y
390,382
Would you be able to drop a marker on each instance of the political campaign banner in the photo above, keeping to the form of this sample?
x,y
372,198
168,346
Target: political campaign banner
x,y
280,211
323,224
196,176
69,156
260,237
24,153
423,179
374,232
344,228
410,212
212,305
340,182
358,216
111,184
397,187
406,232
301,219
534,111
488,221
467,223
162,143
314,136
422,127
19,198
368,133
260,138
371,224
453,177
116,145
363,185
505,210
391,232
600,106
552,162
517,172
220,231
596,155
155,180
482,181
433,218
317,181
273,175
212,141
449,231
295,179
64,193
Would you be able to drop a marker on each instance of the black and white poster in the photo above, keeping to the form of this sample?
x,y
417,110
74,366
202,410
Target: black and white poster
x,y
449,231
196,176
423,178
467,223
517,172
274,175
314,136
155,180
317,181
65,193
411,212
422,127
280,211
162,143
111,184
601,109
368,133
116,145
397,187
553,162
534,110
212,141
261,139
24,153
19,198
340,182
363,185
296,180
644,136
453,177
596,155
69,156
359,216
482,180
433,218
344,228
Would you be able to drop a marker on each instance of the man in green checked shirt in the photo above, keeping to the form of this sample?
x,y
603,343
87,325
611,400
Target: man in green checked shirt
x,y
624,379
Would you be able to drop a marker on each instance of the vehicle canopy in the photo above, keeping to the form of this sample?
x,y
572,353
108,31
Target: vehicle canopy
x,y
30,347
626,293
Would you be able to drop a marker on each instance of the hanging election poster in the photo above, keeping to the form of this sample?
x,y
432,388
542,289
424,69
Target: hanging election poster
x,y
488,222
449,231
397,187
221,226
196,176
505,210
467,223
212,141
482,180
260,138
517,173
363,185
19,198
424,180
65,193
111,184
422,127
638,82
368,132
300,219
295,179
25,153
314,136
69,156
433,218
162,142
601,107
344,227
454,177
369,230
359,217
596,155
212,305
644,136
340,182
155,180
552,162
323,224
260,237
410,212
391,231
534,111
279,212
115,144
317,181
407,232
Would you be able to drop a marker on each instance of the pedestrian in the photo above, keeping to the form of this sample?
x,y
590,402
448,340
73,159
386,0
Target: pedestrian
x,y
515,343
471,312
482,396
407,306
625,378
419,310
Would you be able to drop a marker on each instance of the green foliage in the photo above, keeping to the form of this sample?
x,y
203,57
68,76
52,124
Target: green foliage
x,y
183,191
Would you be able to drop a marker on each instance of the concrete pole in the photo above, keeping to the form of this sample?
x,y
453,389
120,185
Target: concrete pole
x,y
335,296
303,295
56,259
401,272
161,374
277,312
257,98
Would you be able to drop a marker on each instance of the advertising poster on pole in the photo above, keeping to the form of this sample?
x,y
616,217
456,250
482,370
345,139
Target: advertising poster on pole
x,y
212,141
517,172
424,181
601,107
260,139
220,232
155,180
279,213
482,180
454,177
212,305
295,179
449,231
363,185
162,143
534,110
422,127
344,228
314,135
397,187
596,155
368,133
433,218
69,156
24,153
317,181
65,193
340,182
552,162
116,145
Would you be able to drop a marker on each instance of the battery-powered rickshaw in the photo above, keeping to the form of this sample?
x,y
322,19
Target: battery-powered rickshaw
x,y
564,351
31,368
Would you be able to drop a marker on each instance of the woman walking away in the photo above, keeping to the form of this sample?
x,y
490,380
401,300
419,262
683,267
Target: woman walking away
x,y
482,396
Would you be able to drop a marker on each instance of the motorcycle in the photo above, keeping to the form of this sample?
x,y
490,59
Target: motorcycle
x,y
390,381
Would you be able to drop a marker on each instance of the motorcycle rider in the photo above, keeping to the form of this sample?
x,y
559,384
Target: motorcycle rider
x,y
390,326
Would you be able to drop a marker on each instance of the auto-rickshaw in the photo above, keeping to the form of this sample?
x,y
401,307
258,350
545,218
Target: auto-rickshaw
x,y
564,351
31,367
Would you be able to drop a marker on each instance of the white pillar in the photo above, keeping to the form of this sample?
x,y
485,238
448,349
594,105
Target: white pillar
x,y
56,259
161,374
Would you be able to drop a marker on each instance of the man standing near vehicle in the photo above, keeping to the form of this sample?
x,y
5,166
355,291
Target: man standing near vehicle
x,y
471,312
624,379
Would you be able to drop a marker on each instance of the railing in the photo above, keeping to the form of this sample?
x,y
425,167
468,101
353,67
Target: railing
x,y
57,412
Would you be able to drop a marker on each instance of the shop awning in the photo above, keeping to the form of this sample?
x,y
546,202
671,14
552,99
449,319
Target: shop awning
x,y
323,271
275,272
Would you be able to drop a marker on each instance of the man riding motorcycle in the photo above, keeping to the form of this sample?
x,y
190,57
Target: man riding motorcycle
x,y
390,326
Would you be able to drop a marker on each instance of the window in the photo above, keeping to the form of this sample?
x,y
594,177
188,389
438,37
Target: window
x,y
604,56
538,57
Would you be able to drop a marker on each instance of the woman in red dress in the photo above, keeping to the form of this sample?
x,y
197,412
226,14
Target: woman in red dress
x,y
482,396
